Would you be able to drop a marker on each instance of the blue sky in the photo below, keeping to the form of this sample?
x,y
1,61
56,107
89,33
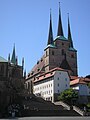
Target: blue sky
x,y
26,23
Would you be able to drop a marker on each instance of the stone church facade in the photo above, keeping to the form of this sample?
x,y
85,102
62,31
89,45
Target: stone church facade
x,y
11,79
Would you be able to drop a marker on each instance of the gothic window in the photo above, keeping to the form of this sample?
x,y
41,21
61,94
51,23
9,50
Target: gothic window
x,y
2,69
72,55
46,53
52,52
62,43
63,52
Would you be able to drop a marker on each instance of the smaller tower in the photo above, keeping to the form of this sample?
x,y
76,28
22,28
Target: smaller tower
x,y
16,60
49,50
9,58
13,59
24,74
23,62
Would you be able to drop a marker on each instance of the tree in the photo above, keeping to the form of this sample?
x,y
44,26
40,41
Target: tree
x,y
69,96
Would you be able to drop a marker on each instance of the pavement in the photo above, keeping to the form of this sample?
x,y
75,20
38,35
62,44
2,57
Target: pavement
x,y
49,118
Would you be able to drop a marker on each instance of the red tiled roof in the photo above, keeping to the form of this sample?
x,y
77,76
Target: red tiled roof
x,y
48,74
87,79
37,68
73,77
77,81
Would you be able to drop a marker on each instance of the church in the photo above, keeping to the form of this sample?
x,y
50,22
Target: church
x,y
58,54
11,79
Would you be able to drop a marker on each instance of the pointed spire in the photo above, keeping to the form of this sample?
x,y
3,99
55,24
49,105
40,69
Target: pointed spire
x,y
60,29
50,36
16,60
9,58
69,33
25,73
23,62
13,59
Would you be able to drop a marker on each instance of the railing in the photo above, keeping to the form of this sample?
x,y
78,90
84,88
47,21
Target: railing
x,y
63,104
78,110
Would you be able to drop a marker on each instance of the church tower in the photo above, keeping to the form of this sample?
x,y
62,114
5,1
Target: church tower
x,y
60,51
49,50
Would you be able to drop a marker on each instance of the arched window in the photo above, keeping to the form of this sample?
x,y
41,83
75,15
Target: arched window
x,y
2,69
52,52
63,52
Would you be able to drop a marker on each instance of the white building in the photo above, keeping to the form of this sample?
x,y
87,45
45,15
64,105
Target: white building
x,y
81,85
49,85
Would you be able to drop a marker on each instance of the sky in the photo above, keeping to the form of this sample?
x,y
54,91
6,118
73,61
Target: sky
x,y
26,23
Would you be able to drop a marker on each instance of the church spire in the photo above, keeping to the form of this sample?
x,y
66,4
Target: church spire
x,y
60,29
13,59
50,36
69,34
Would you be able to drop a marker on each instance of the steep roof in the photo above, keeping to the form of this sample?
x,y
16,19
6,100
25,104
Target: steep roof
x,y
50,36
60,28
48,74
13,59
37,68
2,59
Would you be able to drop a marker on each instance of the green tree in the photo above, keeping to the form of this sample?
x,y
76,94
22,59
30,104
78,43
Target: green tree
x,y
69,96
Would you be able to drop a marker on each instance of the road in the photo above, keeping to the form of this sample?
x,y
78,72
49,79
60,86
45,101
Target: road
x,y
49,118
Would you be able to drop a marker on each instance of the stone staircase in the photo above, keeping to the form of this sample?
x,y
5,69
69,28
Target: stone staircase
x,y
73,108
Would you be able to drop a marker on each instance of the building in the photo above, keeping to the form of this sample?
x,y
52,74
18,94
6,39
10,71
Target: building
x,y
11,79
59,53
81,84
51,84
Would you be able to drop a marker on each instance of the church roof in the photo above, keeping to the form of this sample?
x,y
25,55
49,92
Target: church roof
x,y
37,68
72,49
60,38
2,59
51,46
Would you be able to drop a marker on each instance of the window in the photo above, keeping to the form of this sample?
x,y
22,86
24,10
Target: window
x,y
58,78
46,53
58,91
62,43
58,84
52,52
72,55
65,79
66,85
63,52
51,91
2,69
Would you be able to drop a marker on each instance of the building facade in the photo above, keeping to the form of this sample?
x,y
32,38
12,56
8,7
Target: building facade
x,y
11,79
59,52
49,85
81,85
